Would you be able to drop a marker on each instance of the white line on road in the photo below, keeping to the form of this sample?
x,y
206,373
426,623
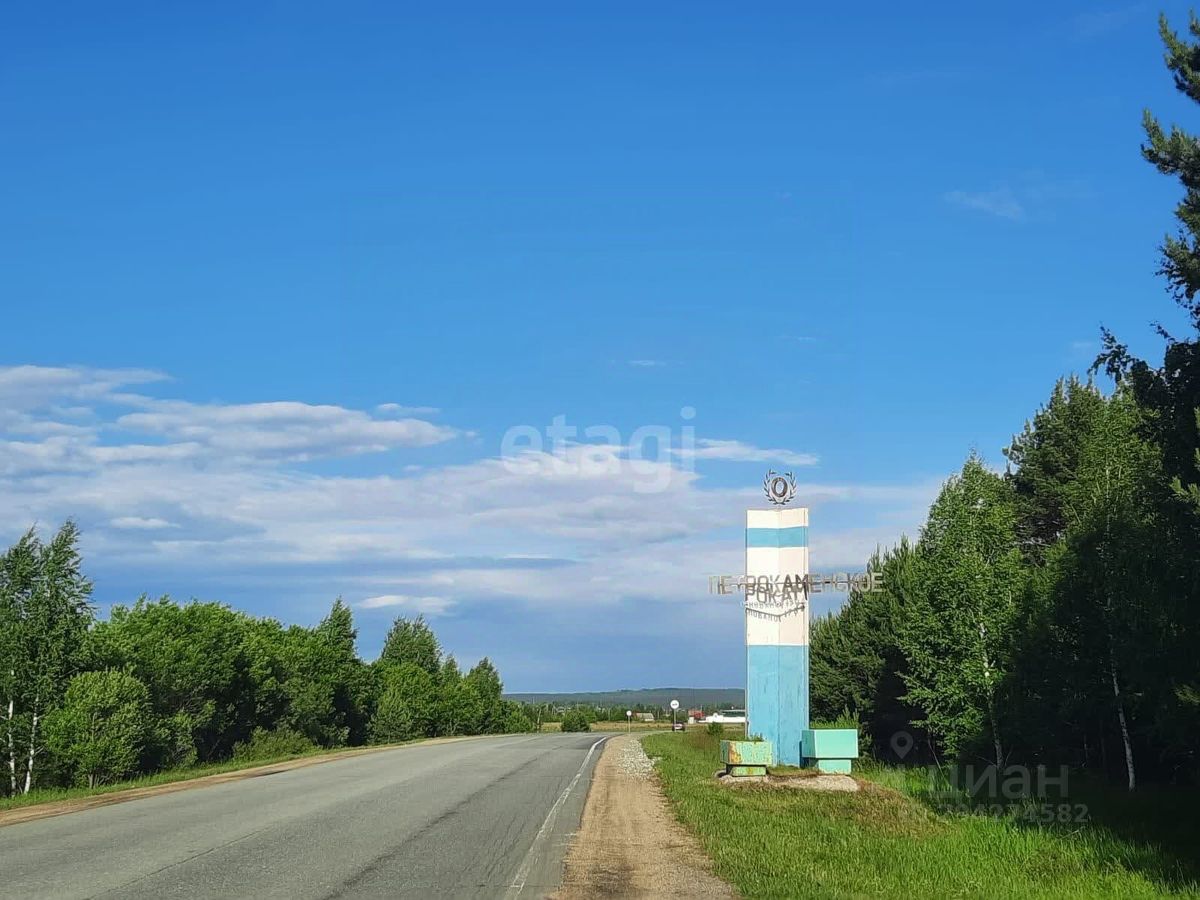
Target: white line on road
x,y
539,839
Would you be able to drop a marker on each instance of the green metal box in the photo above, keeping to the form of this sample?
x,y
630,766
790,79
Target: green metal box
x,y
747,753
830,743
745,771
830,749
833,766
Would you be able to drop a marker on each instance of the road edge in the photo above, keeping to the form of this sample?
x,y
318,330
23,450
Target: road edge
x,y
630,843
541,840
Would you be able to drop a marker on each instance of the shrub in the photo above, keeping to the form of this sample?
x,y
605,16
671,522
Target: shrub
x,y
102,726
716,729
515,719
265,744
845,720
575,720
171,745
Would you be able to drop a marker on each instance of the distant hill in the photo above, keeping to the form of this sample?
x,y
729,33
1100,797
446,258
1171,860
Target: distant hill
x,y
687,697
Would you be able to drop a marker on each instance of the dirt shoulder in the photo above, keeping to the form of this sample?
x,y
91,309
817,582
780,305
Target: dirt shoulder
x,y
629,843
76,804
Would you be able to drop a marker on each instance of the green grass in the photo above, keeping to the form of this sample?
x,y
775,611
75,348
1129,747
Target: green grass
x,y
52,795
887,841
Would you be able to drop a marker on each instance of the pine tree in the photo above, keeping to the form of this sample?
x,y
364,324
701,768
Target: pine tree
x,y
1043,459
1169,394
1172,390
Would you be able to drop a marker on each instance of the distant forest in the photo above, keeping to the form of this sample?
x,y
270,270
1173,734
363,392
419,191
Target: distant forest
x,y
645,699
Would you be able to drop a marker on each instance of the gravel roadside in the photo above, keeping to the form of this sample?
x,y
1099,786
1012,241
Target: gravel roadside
x,y
629,843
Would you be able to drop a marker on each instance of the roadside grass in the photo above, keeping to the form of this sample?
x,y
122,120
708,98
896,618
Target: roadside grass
x,y
168,776
887,841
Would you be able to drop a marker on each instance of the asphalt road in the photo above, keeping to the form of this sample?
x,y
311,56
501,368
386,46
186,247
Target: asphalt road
x,y
482,817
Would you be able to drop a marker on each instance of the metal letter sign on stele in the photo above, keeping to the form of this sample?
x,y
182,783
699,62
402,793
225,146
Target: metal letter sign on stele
x,y
780,489
784,591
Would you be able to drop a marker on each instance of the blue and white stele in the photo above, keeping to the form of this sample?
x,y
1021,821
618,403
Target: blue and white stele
x,y
777,633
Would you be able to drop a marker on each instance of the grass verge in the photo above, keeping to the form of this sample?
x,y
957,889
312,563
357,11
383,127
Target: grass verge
x,y
885,841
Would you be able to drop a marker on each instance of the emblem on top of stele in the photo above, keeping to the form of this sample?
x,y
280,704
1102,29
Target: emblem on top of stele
x,y
780,489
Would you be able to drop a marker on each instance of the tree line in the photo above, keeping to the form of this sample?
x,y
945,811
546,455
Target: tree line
x,y
542,711
162,685
1051,612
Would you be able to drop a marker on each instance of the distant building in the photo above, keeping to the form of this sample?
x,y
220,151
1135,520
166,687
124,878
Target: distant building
x,y
729,717
644,717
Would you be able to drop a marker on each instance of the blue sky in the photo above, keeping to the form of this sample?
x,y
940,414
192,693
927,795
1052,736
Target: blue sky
x,y
279,278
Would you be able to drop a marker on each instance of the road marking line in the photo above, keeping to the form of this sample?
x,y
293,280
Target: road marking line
x,y
539,839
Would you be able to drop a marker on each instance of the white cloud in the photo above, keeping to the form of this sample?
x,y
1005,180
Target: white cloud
x,y
140,523
29,387
35,400
1002,202
80,419
395,409
737,451
647,363
209,492
1030,194
429,606
289,430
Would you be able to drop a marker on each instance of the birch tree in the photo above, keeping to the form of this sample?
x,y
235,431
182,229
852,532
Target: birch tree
x,y
957,633
18,573
1112,513
44,615
53,625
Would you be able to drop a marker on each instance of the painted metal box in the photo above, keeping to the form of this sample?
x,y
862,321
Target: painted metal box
x,y
831,743
747,753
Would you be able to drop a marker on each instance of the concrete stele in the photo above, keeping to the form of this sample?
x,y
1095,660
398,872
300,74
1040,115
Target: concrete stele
x,y
777,642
